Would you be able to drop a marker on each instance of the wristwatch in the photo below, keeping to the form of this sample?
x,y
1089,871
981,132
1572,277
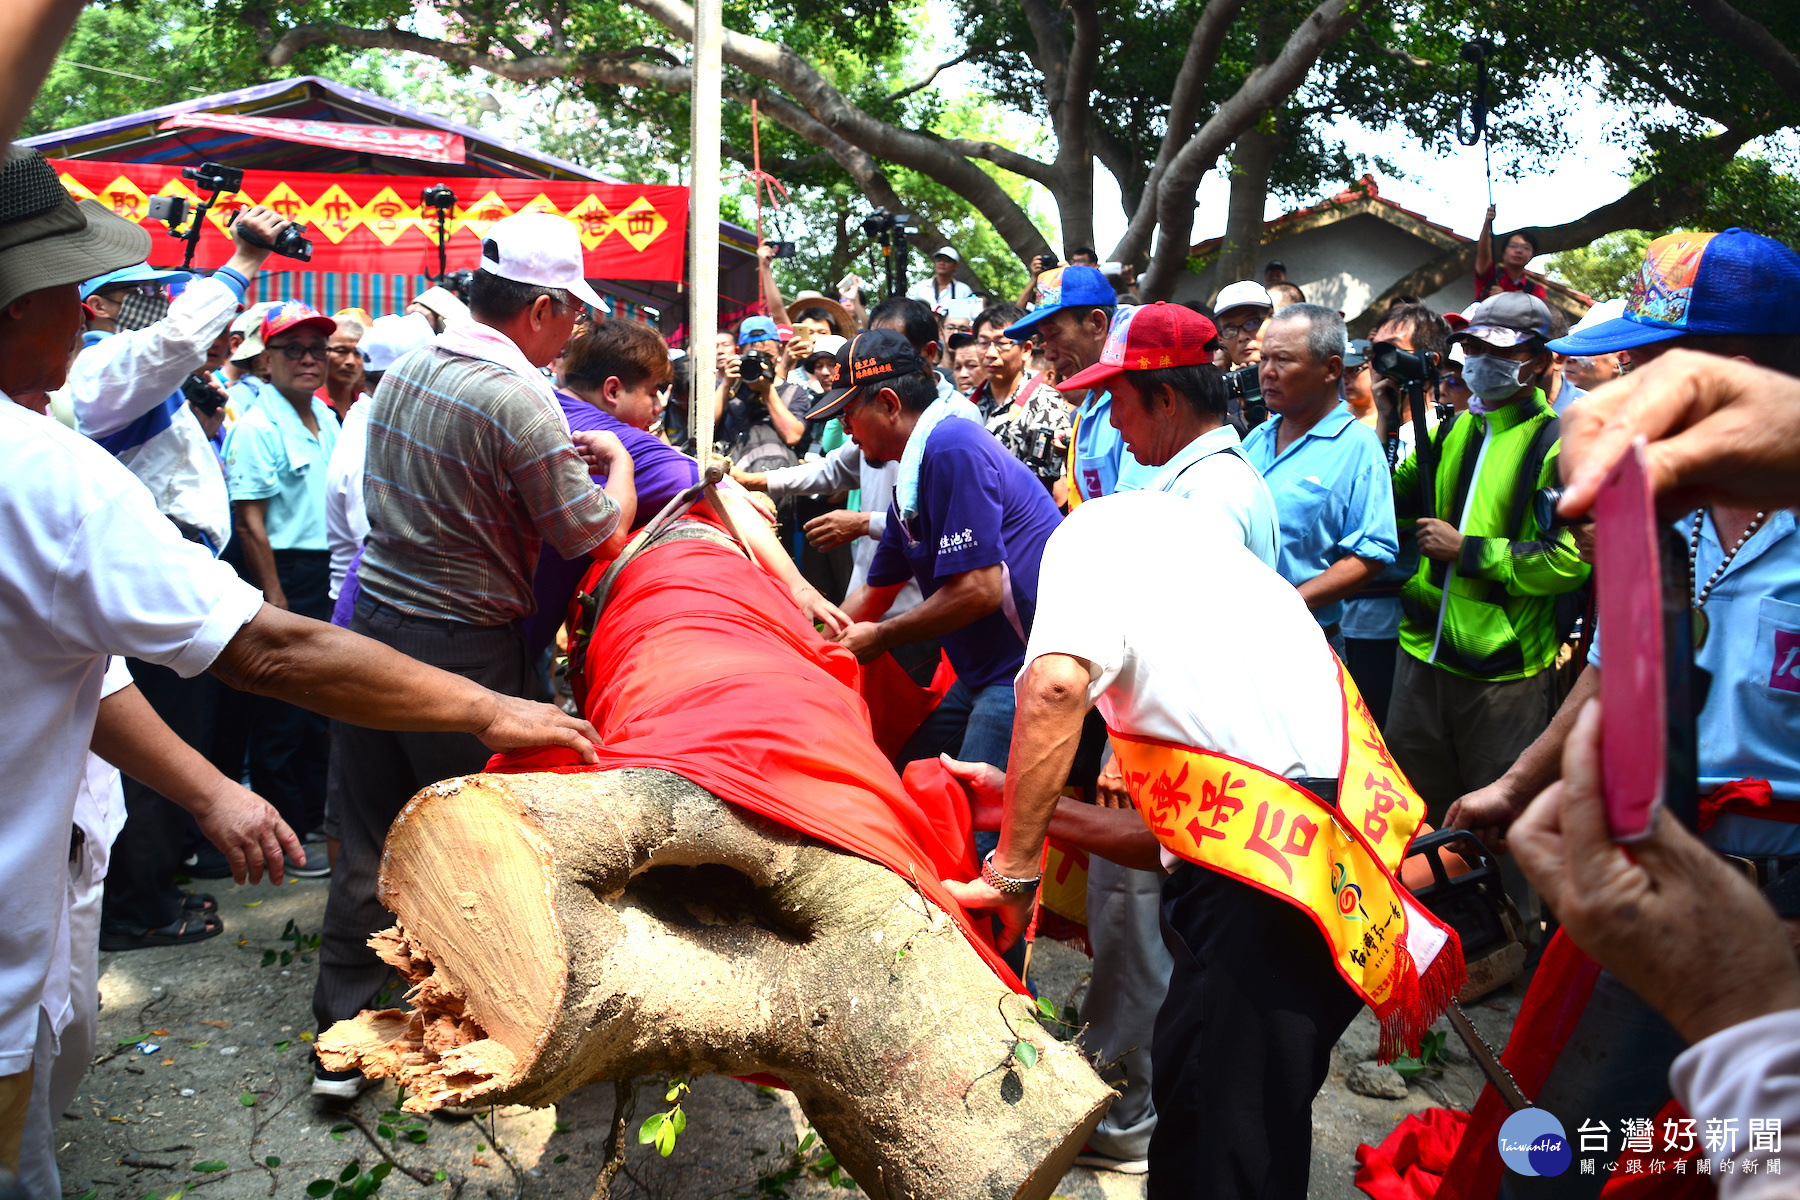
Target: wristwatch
x,y
1006,885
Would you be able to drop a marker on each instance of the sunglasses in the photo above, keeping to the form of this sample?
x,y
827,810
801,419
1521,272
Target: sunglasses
x,y
295,351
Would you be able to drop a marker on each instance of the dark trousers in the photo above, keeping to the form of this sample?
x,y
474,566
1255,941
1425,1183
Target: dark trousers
x,y
827,570
140,877
1453,735
289,746
1370,662
380,772
1243,1042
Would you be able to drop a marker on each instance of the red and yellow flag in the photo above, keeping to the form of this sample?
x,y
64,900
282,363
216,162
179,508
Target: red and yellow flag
x,y
1337,864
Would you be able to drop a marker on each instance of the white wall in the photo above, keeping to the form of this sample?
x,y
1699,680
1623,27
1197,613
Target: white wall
x,y
1344,266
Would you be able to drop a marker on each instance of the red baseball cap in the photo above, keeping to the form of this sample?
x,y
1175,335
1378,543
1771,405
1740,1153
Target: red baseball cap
x,y
290,315
1149,338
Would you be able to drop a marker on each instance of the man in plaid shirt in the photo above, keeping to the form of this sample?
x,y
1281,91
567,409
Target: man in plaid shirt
x,y
471,469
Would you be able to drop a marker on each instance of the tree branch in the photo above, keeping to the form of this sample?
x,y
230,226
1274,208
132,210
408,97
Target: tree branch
x,y
1265,89
1000,156
779,65
1754,39
926,82
844,132
1202,55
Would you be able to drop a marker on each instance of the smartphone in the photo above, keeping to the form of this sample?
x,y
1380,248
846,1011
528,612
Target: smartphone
x,y
784,249
1648,681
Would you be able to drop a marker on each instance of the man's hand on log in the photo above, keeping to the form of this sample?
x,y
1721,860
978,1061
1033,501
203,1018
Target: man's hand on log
x,y
821,611
986,788
520,724
1014,911
863,639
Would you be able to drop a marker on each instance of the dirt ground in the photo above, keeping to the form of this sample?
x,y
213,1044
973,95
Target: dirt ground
x,y
219,1109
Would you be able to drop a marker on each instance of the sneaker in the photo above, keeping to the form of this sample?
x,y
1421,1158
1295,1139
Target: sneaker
x,y
208,862
1096,1161
339,1085
318,859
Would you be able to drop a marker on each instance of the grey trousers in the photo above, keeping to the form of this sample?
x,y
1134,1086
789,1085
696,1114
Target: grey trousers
x,y
1453,735
1131,977
379,772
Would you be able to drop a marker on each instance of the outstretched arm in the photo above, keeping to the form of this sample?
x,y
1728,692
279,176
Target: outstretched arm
x,y
362,682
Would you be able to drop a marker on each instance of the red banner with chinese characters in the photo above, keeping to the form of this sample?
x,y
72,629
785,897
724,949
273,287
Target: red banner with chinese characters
x,y
375,224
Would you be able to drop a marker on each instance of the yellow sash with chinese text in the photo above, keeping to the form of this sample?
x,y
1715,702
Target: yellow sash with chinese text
x,y
1335,864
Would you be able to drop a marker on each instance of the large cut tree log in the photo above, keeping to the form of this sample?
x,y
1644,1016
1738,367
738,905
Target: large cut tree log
x,y
561,929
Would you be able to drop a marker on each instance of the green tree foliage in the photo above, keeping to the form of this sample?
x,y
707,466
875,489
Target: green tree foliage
x,y
1605,267
127,55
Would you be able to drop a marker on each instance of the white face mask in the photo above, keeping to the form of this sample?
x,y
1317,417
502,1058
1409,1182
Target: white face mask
x,y
1490,378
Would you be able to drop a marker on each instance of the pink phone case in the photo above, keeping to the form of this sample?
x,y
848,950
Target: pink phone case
x,y
1633,692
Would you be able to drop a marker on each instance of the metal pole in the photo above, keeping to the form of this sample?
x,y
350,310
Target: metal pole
x,y
703,222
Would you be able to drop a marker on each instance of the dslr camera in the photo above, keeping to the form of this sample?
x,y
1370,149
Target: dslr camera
x,y
1246,388
755,367
199,390
1407,366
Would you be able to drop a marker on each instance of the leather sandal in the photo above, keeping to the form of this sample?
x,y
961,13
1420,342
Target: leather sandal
x,y
188,927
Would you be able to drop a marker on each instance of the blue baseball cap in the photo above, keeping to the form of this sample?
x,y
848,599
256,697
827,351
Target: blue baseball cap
x,y
757,329
1078,286
141,273
1735,282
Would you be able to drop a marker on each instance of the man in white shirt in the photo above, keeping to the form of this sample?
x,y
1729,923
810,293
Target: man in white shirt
x,y
943,284
388,340
1261,730
126,390
92,569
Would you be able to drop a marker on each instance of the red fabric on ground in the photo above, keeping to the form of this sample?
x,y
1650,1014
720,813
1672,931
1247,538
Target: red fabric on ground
x,y
702,666
1469,1146
1660,1182
1411,1161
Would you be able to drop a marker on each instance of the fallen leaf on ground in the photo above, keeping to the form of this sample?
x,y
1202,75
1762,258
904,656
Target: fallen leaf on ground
x,y
218,1024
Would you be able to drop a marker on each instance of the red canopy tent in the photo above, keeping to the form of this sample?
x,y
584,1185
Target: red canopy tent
x,y
352,165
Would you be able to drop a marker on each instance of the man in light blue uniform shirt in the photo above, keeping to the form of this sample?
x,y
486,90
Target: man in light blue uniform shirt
x,y
275,465
1325,468
1074,313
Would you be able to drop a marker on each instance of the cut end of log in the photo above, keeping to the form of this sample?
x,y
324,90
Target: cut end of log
x,y
442,878
436,1052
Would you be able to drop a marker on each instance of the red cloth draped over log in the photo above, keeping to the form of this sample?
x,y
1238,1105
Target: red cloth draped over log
x,y
702,666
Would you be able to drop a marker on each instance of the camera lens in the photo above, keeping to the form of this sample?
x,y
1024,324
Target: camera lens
x,y
1543,508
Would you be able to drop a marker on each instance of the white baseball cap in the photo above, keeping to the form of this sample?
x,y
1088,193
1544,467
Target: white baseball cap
x,y
538,248
393,337
948,252
1600,314
1245,293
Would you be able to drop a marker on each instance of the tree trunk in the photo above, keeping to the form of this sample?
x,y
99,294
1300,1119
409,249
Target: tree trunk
x,y
564,929
1251,161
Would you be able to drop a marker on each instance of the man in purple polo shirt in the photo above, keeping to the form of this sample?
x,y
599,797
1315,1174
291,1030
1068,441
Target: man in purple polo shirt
x,y
614,377
968,522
